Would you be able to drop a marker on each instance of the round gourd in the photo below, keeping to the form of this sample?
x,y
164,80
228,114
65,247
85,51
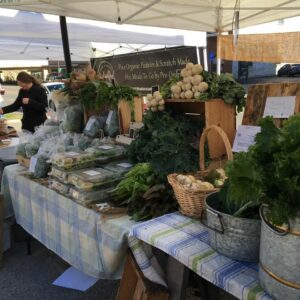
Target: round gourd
x,y
162,101
188,87
189,66
183,72
154,108
203,87
176,89
197,69
161,107
189,95
197,79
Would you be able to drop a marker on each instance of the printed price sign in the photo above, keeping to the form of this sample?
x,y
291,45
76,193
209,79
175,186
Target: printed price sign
x,y
33,161
92,173
244,138
280,107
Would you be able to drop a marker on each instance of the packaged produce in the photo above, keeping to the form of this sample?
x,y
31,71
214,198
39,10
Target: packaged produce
x,y
73,160
94,126
88,179
59,174
119,168
59,187
83,197
107,150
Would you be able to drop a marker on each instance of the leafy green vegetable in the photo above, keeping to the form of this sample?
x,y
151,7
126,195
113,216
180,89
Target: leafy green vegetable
x,y
142,193
166,143
225,87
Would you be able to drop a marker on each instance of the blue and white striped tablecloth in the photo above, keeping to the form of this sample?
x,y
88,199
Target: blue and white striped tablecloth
x,y
88,241
186,240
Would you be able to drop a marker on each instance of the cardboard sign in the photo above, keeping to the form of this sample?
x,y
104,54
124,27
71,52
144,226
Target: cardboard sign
x,y
244,138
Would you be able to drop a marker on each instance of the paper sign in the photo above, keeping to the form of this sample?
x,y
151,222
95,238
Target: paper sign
x,y
89,124
280,107
33,161
106,147
125,165
244,138
72,154
110,114
75,279
91,173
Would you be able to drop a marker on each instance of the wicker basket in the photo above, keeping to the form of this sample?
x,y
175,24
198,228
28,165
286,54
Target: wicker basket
x,y
192,203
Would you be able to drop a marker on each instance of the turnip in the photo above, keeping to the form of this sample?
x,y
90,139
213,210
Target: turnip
x,y
189,66
189,95
197,69
182,95
203,87
197,79
197,95
183,72
188,86
176,89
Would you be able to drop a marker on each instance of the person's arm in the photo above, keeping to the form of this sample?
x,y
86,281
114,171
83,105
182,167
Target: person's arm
x,y
13,107
40,103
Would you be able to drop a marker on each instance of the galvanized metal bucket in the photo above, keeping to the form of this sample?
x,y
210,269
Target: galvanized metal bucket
x,y
237,238
279,262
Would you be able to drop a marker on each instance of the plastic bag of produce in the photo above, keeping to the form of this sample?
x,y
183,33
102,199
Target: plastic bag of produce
x,y
72,119
112,124
31,150
21,149
119,168
94,127
59,187
42,166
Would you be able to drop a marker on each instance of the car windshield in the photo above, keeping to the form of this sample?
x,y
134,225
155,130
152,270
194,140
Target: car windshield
x,y
55,87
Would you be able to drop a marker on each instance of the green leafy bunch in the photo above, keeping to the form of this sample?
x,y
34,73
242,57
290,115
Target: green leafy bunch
x,y
225,87
166,143
268,173
143,194
97,94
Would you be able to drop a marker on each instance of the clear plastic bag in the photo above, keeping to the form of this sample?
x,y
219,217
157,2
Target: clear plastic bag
x,y
59,187
119,168
112,124
94,127
72,119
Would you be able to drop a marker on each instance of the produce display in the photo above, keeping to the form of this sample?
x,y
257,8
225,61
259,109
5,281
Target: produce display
x,y
144,194
59,187
59,174
155,102
166,142
119,168
88,179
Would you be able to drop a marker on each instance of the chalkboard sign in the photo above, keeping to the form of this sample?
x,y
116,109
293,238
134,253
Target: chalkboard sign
x,y
144,70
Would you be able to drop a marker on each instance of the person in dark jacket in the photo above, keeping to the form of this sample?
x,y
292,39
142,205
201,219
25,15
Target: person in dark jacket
x,y
32,98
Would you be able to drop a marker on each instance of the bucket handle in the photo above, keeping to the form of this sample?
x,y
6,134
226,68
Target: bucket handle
x,y
273,228
212,228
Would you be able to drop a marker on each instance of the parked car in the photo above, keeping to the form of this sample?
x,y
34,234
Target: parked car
x,y
50,87
289,70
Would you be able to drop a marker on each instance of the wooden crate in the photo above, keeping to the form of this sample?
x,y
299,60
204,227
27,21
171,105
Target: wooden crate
x,y
23,161
134,286
215,112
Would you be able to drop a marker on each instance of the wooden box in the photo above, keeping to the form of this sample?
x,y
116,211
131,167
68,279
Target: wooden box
x,y
215,112
134,286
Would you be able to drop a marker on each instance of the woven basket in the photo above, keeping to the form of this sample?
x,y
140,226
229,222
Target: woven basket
x,y
192,203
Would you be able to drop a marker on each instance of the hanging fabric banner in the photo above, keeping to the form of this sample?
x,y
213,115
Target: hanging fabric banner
x,y
274,47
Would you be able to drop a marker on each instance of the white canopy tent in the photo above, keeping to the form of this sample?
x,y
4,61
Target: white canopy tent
x,y
201,15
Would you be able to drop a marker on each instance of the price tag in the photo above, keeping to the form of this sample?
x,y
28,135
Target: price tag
x,y
106,147
90,123
33,161
92,173
244,138
72,154
280,107
125,165
110,114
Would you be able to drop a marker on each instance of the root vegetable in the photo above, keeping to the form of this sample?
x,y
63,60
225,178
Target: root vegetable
x,y
203,87
176,89
189,73
161,107
154,108
179,83
194,89
197,79
186,80
158,97
189,66
156,93
188,87
182,95
154,102
149,97
197,69
190,79
197,95
183,72
162,102
189,95
175,96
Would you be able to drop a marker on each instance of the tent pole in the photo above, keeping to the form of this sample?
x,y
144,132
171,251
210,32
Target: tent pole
x,y
65,41
218,54
205,58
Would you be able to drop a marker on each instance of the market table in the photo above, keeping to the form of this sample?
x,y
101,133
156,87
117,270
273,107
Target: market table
x,y
186,240
84,238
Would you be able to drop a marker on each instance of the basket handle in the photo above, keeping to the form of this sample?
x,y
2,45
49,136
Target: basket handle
x,y
203,137
269,225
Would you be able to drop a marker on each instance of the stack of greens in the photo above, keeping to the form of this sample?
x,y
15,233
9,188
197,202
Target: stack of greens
x,y
143,194
268,173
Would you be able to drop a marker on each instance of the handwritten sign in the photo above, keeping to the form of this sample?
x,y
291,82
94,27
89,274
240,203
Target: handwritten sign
x,y
280,107
244,138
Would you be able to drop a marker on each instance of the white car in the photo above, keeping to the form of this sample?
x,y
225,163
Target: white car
x,y
50,87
